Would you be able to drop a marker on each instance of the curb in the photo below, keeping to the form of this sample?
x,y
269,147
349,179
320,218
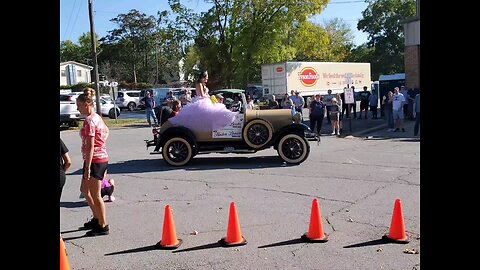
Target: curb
x,y
375,128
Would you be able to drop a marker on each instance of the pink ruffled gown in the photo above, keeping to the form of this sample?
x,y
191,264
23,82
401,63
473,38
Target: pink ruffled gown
x,y
203,115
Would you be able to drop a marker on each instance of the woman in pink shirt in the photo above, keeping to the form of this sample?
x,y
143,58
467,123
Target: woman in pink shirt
x,y
94,135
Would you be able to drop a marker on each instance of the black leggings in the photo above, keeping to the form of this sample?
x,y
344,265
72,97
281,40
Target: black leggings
x,y
316,120
62,183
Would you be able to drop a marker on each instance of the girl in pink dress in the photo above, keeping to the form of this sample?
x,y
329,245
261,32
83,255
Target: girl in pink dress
x,y
202,114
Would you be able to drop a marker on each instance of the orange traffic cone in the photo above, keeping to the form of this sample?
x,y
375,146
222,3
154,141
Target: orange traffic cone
x,y
64,265
234,234
315,232
169,235
397,228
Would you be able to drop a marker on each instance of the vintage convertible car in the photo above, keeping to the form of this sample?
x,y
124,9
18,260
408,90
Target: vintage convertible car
x,y
251,131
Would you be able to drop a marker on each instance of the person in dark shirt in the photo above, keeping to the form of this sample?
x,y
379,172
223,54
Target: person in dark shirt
x,y
364,98
65,163
149,103
317,113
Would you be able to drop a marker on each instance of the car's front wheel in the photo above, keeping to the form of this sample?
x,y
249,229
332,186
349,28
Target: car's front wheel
x,y
293,148
111,113
131,106
177,151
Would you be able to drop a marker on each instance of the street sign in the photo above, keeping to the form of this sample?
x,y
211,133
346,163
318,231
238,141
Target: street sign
x,y
349,98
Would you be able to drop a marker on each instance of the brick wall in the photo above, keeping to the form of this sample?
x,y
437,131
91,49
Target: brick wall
x,y
412,66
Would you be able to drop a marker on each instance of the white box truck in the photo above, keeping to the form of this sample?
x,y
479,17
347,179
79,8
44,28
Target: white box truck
x,y
311,78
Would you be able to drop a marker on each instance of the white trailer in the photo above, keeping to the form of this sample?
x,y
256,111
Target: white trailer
x,y
310,78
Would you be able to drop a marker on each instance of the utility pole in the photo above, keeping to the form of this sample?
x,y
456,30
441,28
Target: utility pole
x,y
94,56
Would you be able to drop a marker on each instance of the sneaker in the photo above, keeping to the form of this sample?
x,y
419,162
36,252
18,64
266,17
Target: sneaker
x,y
403,130
338,133
333,133
97,230
91,224
396,130
111,198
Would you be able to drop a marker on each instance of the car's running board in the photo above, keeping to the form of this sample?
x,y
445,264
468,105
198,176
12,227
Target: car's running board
x,y
155,153
240,151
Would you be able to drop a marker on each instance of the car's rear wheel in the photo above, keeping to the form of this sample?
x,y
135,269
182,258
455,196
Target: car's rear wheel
x,y
177,151
257,133
293,148
111,113
131,106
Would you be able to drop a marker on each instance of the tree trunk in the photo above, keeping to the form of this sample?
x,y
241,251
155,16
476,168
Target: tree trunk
x,y
134,74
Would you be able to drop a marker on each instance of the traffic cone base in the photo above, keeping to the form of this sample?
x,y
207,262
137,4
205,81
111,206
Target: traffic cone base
x,y
387,239
234,233
159,245
397,228
315,232
169,235
225,244
318,240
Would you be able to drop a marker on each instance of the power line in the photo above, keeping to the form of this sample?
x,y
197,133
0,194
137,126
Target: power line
x,y
69,18
75,21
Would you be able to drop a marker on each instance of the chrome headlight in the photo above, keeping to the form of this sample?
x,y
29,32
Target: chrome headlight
x,y
297,117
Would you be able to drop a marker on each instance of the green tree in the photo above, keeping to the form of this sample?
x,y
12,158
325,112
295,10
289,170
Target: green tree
x,y
234,37
134,38
80,52
382,20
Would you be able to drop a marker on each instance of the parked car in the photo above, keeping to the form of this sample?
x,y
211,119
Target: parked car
x,y
251,131
108,107
128,99
69,115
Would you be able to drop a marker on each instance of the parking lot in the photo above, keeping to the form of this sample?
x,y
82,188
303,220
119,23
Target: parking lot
x,y
356,182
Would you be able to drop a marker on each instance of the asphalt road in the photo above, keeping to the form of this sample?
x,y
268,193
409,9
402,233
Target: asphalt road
x,y
355,180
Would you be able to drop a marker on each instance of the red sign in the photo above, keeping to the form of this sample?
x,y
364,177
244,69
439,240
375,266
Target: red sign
x,y
308,76
279,69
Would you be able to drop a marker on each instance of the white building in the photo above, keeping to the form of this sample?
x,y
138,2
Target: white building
x,y
72,73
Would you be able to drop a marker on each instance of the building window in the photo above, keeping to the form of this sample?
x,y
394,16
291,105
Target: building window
x,y
79,73
62,73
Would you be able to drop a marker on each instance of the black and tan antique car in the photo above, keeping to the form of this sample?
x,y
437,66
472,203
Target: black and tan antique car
x,y
251,131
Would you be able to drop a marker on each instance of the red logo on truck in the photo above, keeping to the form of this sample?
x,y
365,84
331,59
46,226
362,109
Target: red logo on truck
x,y
308,76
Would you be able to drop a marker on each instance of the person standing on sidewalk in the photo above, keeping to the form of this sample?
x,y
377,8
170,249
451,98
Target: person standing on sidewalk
x,y
373,103
388,107
416,114
364,98
317,113
398,113
94,136
328,102
149,103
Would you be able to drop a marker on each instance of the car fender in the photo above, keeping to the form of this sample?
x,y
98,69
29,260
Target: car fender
x,y
292,128
180,132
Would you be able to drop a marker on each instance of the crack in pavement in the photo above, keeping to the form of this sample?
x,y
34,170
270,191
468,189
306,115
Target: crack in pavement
x,y
176,179
399,179
295,250
77,245
289,192
329,223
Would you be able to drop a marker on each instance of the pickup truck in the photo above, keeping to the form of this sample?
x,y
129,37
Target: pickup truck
x,y
69,115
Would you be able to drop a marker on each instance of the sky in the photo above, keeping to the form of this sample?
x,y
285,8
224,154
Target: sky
x,y
74,18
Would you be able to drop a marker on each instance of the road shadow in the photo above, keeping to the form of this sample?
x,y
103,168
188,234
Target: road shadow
x,y
368,243
285,243
393,137
207,246
156,164
75,237
73,204
133,250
